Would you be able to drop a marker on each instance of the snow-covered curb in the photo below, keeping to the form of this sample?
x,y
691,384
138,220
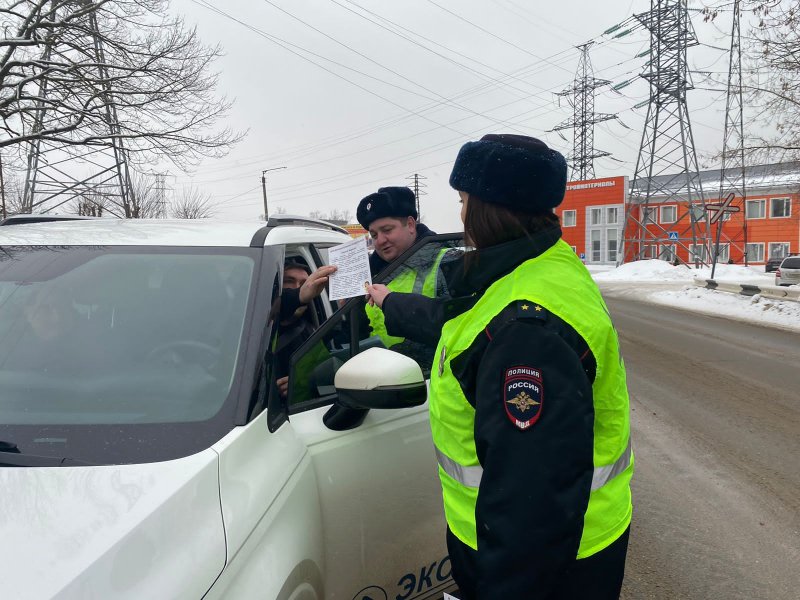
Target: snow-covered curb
x,y
660,283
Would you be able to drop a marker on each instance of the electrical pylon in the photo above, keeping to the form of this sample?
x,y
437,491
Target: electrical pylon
x,y
732,175
418,189
667,171
580,96
59,173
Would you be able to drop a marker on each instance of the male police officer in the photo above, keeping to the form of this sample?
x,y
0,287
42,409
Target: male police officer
x,y
390,216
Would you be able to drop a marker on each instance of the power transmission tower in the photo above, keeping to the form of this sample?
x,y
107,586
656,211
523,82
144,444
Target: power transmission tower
x,y
580,96
161,195
732,176
58,173
418,189
667,171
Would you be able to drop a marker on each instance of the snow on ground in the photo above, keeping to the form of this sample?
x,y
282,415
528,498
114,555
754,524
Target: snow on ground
x,y
660,283
659,270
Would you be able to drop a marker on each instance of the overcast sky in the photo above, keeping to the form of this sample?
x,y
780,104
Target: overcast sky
x,y
352,95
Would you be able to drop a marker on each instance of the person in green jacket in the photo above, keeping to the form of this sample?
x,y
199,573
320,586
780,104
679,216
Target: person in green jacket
x,y
528,399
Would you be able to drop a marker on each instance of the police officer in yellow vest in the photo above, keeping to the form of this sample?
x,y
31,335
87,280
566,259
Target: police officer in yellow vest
x,y
390,216
528,399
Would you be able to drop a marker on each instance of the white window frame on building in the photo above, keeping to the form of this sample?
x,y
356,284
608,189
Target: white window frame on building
x,y
759,246
762,203
569,218
786,204
595,251
649,215
702,256
650,252
666,252
603,233
612,244
674,209
779,249
724,253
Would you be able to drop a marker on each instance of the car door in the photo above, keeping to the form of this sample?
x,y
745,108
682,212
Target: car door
x,y
381,507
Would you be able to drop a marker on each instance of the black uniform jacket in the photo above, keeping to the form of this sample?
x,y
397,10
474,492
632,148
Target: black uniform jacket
x,y
536,481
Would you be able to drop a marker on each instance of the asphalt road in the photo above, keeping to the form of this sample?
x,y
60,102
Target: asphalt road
x,y
716,425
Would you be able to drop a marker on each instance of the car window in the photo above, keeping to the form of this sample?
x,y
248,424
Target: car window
x,y
792,262
119,336
356,327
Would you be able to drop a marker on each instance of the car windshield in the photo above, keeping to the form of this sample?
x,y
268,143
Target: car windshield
x,y
791,263
119,336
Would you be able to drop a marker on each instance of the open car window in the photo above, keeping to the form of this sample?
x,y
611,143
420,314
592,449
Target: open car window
x,y
356,326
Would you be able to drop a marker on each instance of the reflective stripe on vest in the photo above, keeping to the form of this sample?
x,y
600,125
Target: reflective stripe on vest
x,y
471,476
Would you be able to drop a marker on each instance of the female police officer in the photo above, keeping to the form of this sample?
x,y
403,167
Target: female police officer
x,y
528,399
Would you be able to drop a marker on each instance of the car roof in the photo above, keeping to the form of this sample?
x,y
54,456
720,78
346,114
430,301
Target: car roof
x,y
171,232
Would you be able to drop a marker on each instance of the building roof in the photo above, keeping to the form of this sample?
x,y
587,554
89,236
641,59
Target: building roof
x,y
758,179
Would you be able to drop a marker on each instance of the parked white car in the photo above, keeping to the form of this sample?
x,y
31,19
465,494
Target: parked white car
x,y
788,272
146,452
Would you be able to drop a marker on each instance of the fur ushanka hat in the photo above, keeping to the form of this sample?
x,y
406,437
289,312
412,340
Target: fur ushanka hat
x,y
387,202
515,171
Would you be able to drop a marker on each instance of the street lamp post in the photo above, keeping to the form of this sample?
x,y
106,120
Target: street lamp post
x,y
264,188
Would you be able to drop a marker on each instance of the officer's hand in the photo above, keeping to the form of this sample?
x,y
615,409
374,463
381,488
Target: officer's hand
x,y
315,284
283,386
376,294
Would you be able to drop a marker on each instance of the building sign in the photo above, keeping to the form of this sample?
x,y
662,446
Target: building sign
x,y
588,185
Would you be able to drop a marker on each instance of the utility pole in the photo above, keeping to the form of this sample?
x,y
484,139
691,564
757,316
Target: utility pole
x,y
264,188
667,171
416,177
580,96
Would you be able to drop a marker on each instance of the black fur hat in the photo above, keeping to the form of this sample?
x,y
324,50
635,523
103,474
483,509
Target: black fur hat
x,y
515,171
386,202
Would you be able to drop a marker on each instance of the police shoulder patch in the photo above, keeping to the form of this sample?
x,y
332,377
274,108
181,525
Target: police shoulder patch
x,y
523,395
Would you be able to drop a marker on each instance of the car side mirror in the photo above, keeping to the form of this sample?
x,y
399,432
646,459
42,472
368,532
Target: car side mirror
x,y
380,378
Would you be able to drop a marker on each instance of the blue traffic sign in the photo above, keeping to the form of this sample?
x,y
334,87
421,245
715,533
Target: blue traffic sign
x,y
673,235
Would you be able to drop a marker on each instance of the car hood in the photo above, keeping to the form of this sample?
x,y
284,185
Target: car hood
x,y
122,531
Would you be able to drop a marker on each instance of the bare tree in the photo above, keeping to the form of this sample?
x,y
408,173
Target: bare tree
x,y
84,72
192,204
336,216
772,81
147,202
90,205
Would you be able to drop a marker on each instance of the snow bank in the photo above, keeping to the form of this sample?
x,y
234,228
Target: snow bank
x,y
659,270
755,309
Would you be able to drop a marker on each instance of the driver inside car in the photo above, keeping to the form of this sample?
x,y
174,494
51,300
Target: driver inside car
x,y
300,287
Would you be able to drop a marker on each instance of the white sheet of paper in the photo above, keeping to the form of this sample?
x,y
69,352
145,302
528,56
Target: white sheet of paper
x,y
449,597
352,274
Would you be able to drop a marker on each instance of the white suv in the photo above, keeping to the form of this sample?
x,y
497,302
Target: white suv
x,y
145,451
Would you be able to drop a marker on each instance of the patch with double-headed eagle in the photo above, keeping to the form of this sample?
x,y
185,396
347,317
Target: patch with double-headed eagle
x,y
523,394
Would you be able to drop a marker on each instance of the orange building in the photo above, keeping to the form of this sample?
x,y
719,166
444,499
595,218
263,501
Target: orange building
x,y
357,231
593,217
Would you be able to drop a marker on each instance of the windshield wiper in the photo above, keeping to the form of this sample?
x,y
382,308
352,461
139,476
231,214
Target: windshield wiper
x,y
10,456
